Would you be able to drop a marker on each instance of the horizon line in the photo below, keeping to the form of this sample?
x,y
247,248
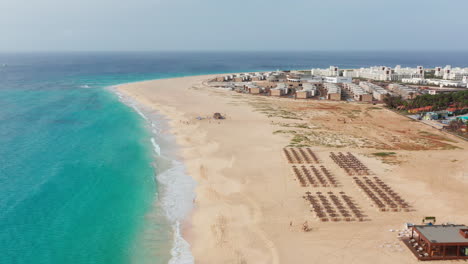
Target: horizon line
x,y
226,51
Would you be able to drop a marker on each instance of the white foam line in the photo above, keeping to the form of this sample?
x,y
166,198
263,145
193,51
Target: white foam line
x,y
177,191
177,202
139,112
180,252
156,147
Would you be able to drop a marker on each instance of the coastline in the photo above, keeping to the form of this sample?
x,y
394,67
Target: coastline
x,y
245,198
181,124
174,200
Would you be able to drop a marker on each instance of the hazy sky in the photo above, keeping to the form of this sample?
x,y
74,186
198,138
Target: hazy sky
x,y
124,25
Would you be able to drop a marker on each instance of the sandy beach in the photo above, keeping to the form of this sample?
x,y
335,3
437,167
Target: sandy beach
x,y
249,206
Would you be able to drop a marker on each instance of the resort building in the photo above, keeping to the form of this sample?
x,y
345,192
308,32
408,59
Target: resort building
x,y
414,80
409,73
446,83
377,92
456,74
258,77
333,91
348,73
221,78
279,90
337,79
241,78
447,73
404,91
308,90
358,93
311,79
253,88
439,242
440,91
384,73
331,71
439,72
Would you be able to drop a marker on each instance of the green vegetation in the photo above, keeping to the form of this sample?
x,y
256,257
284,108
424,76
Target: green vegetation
x,y
295,125
458,127
438,101
298,139
435,136
284,132
430,75
384,154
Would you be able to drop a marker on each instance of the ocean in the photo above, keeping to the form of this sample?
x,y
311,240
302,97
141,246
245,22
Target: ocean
x,y
87,176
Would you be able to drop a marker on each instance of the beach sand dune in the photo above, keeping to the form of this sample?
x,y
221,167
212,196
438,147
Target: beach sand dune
x,y
249,207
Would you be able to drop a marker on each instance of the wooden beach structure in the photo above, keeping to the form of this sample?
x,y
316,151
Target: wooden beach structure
x,y
439,242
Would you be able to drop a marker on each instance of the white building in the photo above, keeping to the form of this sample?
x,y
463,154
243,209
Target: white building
x,y
359,94
455,74
333,91
384,73
311,79
308,90
414,80
446,83
337,79
331,71
405,91
377,92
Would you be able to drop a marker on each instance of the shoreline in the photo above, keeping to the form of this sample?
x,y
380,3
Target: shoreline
x,y
169,168
172,117
245,203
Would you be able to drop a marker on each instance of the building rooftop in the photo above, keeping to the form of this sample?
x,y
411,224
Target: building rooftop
x,y
443,233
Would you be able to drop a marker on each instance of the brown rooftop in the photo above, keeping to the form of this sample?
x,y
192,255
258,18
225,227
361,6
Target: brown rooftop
x,y
443,233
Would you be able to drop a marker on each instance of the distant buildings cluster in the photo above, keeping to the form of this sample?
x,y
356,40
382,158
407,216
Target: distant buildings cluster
x,y
377,92
384,73
359,94
333,83
404,91
447,73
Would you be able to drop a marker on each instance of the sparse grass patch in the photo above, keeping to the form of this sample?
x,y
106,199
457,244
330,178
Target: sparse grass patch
x,y
297,139
284,132
384,154
435,136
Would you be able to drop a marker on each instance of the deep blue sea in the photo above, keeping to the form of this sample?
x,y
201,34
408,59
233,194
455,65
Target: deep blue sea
x,y
78,177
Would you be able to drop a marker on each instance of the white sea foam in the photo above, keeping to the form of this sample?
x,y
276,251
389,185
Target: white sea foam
x,y
85,86
180,252
177,192
156,147
177,201
139,112
156,130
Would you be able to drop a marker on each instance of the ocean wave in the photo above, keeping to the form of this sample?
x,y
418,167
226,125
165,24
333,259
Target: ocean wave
x,y
177,190
178,195
85,86
156,147
180,252
139,112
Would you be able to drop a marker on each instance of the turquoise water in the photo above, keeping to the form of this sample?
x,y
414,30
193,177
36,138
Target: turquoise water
x,y
84,167
79,182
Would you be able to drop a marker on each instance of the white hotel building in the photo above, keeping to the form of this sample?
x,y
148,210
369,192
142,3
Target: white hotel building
x,y
449,73
384,73
331,71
